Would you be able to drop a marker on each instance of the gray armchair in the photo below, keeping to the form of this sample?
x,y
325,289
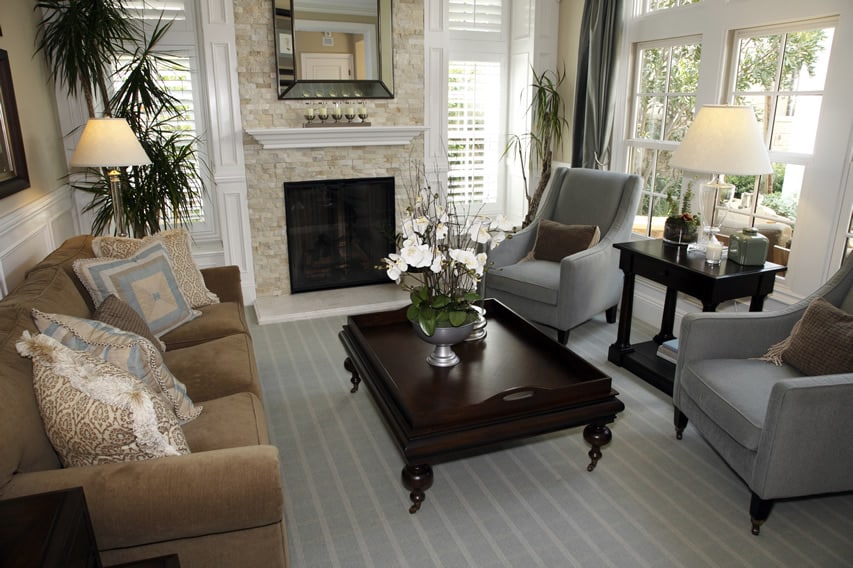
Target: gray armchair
x,y
783,433
565,294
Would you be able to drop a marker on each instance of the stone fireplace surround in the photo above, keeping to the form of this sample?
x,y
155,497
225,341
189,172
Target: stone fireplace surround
x,y
268,167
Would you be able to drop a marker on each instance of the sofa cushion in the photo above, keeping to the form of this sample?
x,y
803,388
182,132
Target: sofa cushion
x,y
50,290
555,241
126,350
64,257
116,312
208,374
734,393
229,422
146,281
28,449
218,320
95,412
177,243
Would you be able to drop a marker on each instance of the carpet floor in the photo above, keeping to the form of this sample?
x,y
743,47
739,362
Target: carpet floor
x,y
652,501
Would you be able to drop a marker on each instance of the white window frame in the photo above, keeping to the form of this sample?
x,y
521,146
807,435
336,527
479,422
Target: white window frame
x,y
826,194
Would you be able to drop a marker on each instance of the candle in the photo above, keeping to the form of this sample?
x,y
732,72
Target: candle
x,y
713,252
323,112
309,113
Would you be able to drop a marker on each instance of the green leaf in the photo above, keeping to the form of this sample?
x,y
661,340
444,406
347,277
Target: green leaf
x,y
412,313
440,301
427,324
471,297
457,318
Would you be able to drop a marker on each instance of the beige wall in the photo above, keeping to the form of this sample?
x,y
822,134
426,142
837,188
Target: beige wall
x,y
267,170
36,105
571,12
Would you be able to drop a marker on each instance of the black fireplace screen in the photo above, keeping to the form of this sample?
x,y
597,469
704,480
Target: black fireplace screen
x,y
337,231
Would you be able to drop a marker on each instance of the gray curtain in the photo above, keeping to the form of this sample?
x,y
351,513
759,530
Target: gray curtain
x,y
593,114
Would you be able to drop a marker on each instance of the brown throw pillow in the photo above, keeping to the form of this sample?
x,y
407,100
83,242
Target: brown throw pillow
x,y
118,313
555,241
820,343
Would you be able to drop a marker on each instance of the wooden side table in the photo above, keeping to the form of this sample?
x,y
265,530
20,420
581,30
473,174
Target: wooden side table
x,y
47,530
685,272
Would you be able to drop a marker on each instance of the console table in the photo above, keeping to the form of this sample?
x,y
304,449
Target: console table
x,y
685,272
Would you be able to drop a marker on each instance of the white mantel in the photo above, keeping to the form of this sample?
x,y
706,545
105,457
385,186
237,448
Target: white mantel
x,y
280,138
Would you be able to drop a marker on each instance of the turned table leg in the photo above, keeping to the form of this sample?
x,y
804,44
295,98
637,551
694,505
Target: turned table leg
x,y
597,435
417,479
355,380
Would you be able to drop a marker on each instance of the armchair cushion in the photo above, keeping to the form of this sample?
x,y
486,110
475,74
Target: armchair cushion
x,y
554,240
733,393
538,280
821,342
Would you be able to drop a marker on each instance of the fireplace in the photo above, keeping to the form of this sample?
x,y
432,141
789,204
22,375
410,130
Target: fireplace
x,y
337,231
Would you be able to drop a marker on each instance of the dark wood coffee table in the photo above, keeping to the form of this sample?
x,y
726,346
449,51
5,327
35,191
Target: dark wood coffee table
x,y
515,383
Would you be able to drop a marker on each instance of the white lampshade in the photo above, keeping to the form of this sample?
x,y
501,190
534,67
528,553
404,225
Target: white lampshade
x,y
108,142
723,140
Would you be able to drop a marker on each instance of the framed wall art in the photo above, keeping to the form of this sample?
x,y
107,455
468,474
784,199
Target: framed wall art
x,y
13,162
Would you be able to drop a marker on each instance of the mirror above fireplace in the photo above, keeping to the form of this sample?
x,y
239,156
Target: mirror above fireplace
x,y
334,50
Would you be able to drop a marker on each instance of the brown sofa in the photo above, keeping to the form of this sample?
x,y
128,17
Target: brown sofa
x,y
221,505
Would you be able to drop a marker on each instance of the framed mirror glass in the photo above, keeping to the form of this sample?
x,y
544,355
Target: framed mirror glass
x,y
334,50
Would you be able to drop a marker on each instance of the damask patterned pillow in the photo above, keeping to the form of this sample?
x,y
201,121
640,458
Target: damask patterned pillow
x,y
177,243
126,350
146,281
94,412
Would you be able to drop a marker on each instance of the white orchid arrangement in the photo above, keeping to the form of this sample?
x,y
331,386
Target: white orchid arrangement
x,y
442,257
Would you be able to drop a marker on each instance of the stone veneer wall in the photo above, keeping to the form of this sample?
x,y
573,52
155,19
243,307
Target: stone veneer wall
x,y
267,170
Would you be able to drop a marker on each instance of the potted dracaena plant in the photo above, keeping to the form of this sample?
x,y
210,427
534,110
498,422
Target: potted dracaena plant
x,y
95,48
547,122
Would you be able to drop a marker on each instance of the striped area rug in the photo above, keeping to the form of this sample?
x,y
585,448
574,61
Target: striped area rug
x,y
652,501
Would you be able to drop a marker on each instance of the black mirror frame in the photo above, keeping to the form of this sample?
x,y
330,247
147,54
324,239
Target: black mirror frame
x,y
373,89
12,143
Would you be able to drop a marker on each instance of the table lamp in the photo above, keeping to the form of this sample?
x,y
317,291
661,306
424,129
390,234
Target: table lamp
x,y
110,143
721,139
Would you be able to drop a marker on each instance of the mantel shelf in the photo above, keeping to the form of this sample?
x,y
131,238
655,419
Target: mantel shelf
x,y
280,138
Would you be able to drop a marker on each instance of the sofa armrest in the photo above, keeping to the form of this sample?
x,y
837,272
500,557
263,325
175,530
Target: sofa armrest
x,y
137,503
224,281
805,445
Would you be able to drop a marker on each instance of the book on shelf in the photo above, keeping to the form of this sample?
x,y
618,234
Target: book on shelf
x,y
668,351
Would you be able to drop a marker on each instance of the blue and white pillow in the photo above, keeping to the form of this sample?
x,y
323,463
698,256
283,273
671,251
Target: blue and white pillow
x,y
125,350
146,281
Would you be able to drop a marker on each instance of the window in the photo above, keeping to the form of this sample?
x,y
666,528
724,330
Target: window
x,y
657,5
473,130
476,100
180,72
781,74
667,76
475,16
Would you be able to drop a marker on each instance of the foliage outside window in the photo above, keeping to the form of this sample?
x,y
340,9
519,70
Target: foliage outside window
x,y
663,107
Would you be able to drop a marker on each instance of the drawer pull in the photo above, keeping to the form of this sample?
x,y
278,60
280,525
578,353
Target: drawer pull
x,y
518,396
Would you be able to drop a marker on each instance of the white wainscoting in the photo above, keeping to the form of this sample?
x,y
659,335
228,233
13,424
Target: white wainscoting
x,y
30,233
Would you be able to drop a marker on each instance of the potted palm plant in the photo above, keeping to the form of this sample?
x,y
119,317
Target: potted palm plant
x,y
94,48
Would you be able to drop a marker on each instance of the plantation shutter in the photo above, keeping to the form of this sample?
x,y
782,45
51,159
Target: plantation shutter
x,y
473,129
475,15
